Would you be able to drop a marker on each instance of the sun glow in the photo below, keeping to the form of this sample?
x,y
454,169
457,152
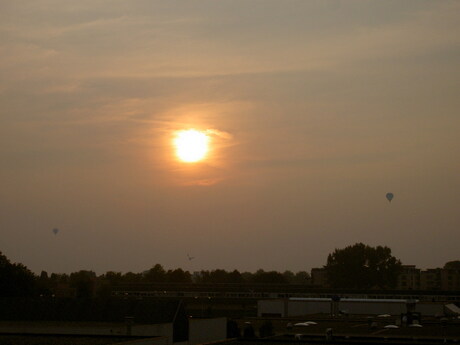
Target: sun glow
x,y
191,145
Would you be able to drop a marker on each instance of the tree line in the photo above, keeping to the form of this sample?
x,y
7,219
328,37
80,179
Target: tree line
x,y
358,266
17,280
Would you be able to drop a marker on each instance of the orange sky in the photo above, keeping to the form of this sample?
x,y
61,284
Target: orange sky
x,y
316,109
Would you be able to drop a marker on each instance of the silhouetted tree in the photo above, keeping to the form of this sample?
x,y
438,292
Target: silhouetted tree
x,y
289,276
112,277
452,265
103,289
271,277
247,277
131,277
16,280
219,276
84,283
59,278
178,276
302,277
156,274
362,267
235,277
44,284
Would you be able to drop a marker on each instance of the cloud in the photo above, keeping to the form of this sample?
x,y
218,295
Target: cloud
x,y
218,133
203,182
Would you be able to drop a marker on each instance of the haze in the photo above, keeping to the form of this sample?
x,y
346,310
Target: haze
x,y
316,109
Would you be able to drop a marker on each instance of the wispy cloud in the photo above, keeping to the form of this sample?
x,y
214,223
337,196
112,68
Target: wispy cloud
x,y
218,133
203,182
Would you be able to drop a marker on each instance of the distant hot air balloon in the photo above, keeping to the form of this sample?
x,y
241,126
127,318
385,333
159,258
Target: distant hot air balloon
x,y
55,231
390,196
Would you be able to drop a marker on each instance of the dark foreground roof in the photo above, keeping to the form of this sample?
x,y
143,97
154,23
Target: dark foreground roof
x,y
344,340
91,310
60,339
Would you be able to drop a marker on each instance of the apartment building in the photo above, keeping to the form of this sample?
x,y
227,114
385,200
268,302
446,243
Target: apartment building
x,y
430,279
409,278
450,279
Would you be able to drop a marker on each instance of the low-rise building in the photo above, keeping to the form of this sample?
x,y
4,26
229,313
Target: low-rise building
x,y
293,307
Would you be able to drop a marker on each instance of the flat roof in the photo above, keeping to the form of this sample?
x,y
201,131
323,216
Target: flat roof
x,y
378,300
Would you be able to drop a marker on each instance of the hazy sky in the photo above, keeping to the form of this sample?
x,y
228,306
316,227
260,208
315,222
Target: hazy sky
x,y
317,110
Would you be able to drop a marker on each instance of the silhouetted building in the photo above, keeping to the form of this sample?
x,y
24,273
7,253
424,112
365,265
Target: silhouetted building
x,y
409,278
450,279
430,279
293,307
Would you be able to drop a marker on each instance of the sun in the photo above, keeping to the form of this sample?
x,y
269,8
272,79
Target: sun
x,y
191,145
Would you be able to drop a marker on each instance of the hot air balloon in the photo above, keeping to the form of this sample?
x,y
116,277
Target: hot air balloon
x,y
55,231
390,196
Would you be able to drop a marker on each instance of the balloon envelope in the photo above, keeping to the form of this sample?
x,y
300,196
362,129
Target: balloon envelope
x,y
390,196
55,231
